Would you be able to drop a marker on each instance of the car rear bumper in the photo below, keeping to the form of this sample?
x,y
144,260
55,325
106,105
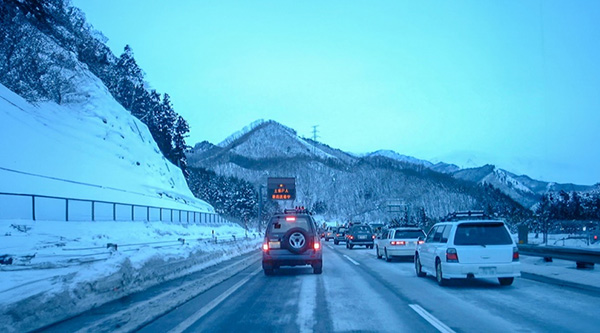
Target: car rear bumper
x,y
361,242
272,258
498,270
399,251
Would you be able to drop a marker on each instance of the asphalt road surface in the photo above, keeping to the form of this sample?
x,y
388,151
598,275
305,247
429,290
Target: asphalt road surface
x,y
360,293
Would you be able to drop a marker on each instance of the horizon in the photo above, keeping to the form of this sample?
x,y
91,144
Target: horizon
x,y
509,84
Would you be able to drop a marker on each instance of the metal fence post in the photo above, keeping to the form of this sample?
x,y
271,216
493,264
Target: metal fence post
x,y
148,213
67,210
132,213
114,211
33,206
93,211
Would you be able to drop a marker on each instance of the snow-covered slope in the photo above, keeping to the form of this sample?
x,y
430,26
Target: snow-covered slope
x,y
89,148
402,158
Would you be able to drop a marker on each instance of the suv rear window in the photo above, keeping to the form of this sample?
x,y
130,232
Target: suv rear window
x,y
408,234
482,234
361,228
281,225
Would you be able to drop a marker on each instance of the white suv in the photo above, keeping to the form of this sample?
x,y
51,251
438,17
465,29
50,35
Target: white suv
x,y
475,248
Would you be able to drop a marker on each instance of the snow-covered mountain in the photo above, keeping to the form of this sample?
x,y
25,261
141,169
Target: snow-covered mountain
x,y
351,187
521,188
402,158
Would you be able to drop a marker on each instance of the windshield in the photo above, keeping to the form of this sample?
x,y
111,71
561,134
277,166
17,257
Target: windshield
x,y
482,234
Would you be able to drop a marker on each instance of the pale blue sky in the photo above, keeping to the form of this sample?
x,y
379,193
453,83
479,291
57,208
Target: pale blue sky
x,y
515,83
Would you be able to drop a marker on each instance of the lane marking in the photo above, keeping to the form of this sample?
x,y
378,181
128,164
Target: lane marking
x,y
184,325
431,319
330,246
161,299
351,260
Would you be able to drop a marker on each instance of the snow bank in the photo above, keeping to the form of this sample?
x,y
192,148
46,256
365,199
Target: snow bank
x,y
60,269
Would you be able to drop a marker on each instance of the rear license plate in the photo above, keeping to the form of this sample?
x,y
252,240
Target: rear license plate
x,y
362,237
487,270
274,245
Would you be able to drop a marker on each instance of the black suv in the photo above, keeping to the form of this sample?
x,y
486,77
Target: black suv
x,y
292,239
360,234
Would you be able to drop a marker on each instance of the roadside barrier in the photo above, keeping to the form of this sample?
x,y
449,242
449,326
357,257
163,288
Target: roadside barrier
x,y
583,258
51,208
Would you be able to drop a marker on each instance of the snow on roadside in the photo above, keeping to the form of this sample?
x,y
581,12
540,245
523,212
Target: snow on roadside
x,y
60,269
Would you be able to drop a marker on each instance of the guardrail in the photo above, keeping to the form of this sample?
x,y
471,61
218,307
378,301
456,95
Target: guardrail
x,y
42,207
584,258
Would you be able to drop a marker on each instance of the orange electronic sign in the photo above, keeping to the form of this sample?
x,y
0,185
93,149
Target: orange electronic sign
x,y
281,188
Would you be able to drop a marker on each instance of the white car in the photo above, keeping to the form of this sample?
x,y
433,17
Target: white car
x,y
468,249
398,242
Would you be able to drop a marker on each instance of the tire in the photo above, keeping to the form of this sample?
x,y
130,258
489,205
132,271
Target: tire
x,y
506,281
318,267
371,246
379,256
296,240
350,246
336,242
387,258
326,239
439,276
268,271
419,267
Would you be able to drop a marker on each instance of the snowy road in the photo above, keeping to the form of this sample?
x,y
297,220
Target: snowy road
x,y
358,292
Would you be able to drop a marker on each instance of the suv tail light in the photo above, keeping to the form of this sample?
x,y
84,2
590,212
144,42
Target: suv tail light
x,y
421,242
350,237
515,253
451,255
316,246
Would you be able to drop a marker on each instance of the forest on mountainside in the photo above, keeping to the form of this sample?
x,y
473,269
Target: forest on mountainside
x,y
44,44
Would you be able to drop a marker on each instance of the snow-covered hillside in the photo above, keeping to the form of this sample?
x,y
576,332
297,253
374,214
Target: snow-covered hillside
x,y
88,148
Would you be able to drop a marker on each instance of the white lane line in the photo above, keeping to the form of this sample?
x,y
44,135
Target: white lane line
x,y
431,319
329,246
352,260
184,325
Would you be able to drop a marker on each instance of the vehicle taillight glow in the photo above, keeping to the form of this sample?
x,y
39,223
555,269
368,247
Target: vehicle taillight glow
x,y
266,247
351,237
515,253
290,218
595,237
398,243
316,245
374,237
451,255
421,242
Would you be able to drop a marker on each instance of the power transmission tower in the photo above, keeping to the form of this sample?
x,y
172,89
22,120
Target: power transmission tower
x,y
315,136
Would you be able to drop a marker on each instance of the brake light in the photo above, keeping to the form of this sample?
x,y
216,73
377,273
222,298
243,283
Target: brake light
x,y
290,218
515,253
316,245
351,237
266,247
398,243
595,237
421,242
374,237
451,255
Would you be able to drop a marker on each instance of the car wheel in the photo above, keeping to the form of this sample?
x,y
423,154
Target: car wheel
x,y
377,251
418,267
335,242
506,281
350,246
268,271
387,258
439,275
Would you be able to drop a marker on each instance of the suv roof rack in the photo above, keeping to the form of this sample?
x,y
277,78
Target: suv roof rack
x,y
297,210
466,215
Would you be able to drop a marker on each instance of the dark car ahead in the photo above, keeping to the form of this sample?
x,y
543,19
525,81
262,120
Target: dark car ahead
x,y
360,234
292,239
339,235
